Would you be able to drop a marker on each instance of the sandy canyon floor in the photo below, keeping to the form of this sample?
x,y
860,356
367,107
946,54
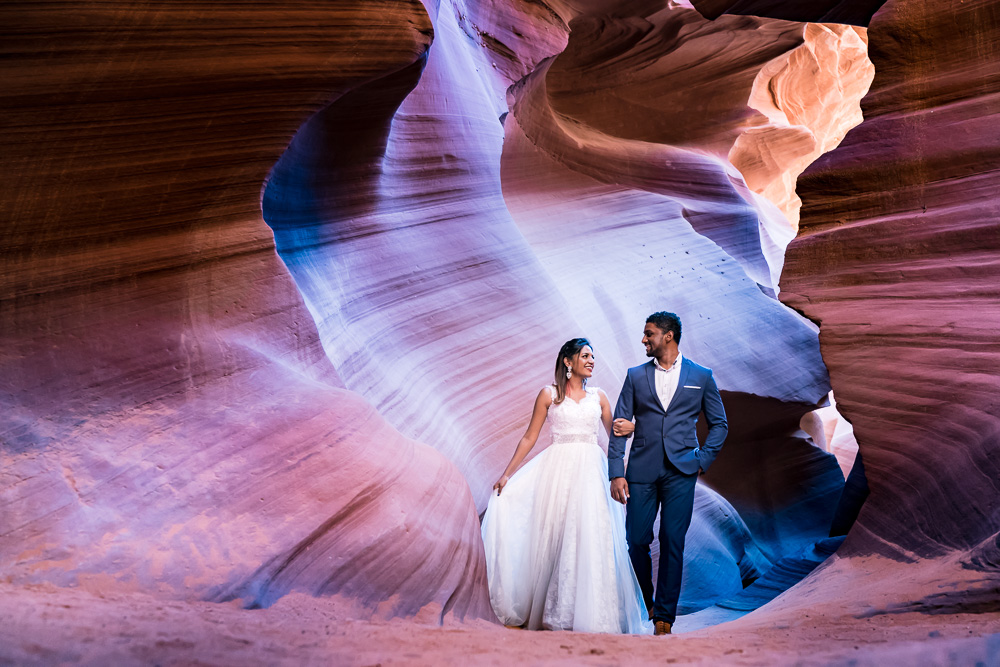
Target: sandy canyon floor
x,y
44,624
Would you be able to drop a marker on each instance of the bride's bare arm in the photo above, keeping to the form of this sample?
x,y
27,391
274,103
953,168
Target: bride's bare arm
x,y
605,411
538,414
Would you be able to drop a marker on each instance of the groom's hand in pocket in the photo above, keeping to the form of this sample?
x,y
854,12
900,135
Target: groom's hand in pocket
x,y
619,489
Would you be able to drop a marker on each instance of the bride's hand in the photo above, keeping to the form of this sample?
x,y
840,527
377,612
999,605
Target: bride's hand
x,y
502,482
623,427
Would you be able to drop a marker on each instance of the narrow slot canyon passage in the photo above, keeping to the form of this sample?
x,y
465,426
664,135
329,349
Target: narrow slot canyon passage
x,y
369,206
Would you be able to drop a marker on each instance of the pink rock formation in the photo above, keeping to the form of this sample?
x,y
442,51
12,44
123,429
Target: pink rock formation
x,y
897,262
810,96
171,422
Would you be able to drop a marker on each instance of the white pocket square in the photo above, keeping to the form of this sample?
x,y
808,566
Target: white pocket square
x,y
691,386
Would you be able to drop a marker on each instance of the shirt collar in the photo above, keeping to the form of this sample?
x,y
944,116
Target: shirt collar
x,y
676,364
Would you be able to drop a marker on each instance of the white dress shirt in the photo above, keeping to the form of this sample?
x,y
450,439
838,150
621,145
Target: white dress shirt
x,y
667,380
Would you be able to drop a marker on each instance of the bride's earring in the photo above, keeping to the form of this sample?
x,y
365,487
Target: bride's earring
x,y
569,372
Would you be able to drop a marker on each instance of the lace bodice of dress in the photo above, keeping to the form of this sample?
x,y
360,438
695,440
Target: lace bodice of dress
x,y
572,421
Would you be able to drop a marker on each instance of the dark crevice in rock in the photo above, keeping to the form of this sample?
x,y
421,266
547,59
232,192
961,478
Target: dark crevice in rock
x,y
853,12
852,498
332,165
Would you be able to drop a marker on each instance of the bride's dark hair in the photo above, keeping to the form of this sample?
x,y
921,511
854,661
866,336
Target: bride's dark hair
x,y
570,349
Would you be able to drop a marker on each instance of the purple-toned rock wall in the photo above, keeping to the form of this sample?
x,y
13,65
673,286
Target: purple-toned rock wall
x,y
897,261
171,422
281,280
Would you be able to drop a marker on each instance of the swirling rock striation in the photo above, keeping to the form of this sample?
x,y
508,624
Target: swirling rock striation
x,y
897,261
473,288
170,420
608,204
428,300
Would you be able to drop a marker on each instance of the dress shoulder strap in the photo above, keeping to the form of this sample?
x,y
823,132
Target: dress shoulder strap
x,y
552,391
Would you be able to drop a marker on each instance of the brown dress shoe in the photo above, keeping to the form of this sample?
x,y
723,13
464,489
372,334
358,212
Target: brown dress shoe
x,y
661,628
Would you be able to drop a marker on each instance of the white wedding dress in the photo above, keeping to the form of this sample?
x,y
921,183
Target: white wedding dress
x,y
556,555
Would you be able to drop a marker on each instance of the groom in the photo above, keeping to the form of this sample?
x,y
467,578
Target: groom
x,y
665,395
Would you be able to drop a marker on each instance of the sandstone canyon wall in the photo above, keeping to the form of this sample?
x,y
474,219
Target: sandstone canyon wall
x,y
897,261
280,282
170,420
431,287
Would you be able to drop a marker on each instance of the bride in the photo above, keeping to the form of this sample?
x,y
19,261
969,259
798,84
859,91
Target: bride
x,y
556,556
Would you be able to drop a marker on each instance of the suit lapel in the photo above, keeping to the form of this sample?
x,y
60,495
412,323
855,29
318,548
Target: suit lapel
x,y
651,378
681,380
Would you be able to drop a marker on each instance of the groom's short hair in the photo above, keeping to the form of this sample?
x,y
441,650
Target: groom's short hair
x,y
667,322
